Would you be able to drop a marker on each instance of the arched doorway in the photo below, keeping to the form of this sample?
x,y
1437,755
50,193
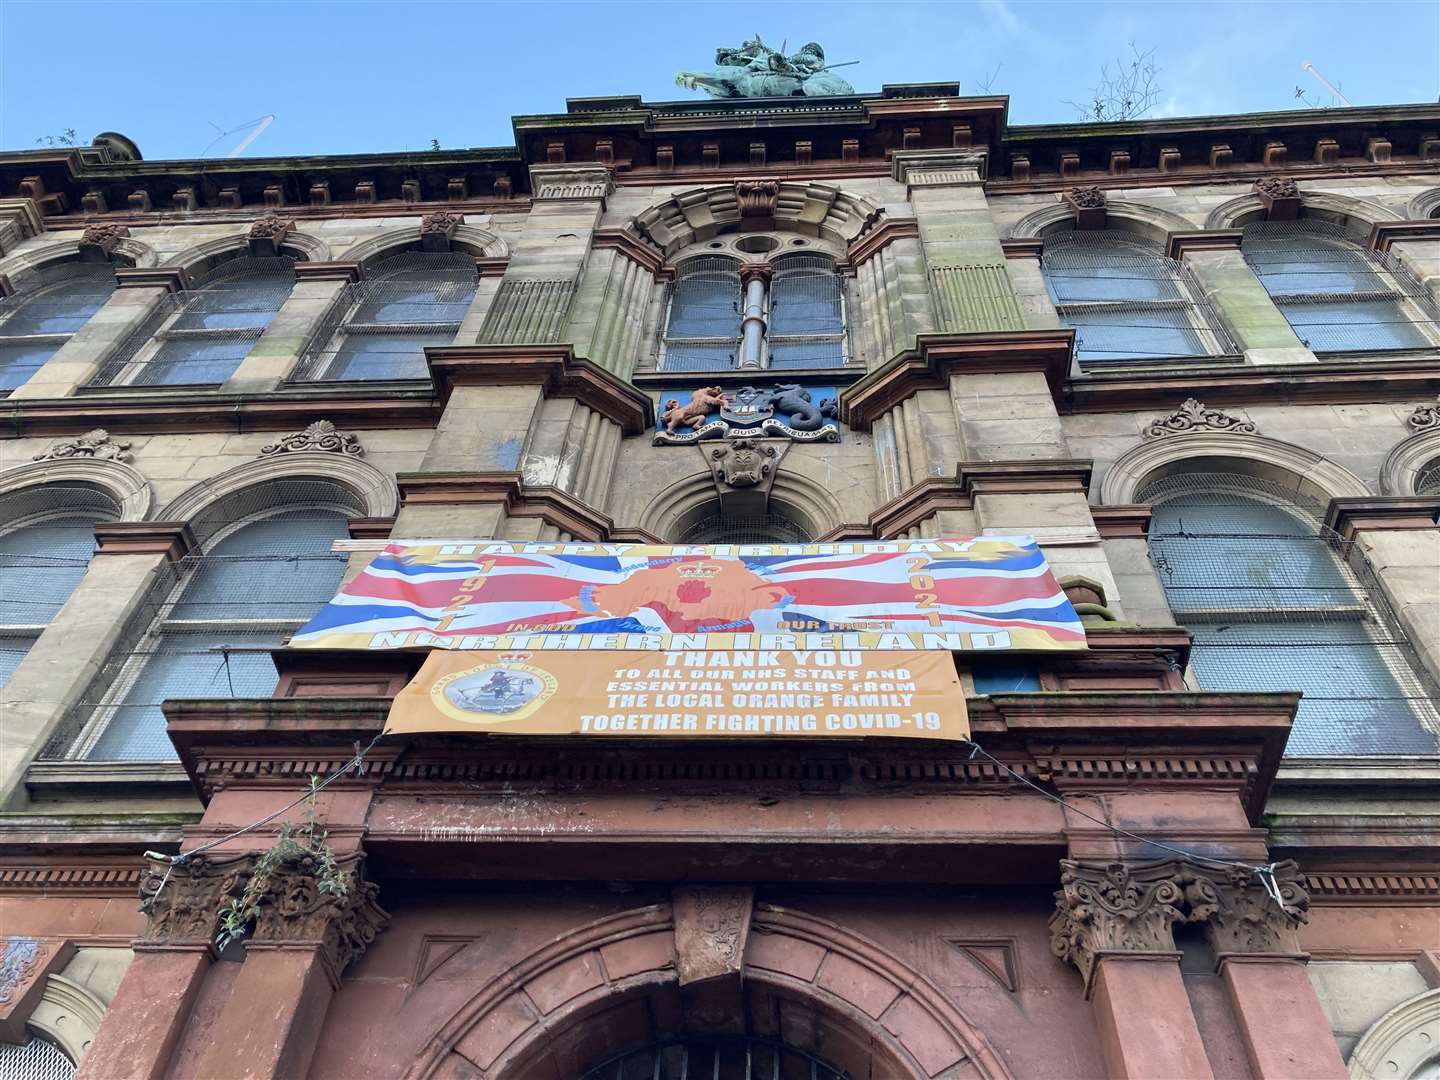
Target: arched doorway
x,y
723,1057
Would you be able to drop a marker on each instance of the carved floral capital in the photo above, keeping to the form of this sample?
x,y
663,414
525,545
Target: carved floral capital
x,y
1086,198
1193,416
1425,418
757,198
183,902
320,436
1277,187
1115,908
95,443
1240,915
294,911
437,227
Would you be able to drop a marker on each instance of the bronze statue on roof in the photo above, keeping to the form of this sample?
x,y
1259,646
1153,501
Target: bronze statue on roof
x,y
756,70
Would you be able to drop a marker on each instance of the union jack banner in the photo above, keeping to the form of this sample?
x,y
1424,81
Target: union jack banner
x,y
977,593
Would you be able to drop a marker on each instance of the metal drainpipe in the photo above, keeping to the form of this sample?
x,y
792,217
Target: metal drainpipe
x,y
754,277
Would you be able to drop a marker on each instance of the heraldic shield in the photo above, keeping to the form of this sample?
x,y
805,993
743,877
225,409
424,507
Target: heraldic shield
x,y
495,692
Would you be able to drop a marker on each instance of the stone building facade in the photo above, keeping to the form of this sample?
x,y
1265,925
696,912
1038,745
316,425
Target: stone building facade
x,y
1197,359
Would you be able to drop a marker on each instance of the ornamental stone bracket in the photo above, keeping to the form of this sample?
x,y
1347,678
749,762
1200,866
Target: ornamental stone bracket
x,y
1132,909
563,181
1280,196
1089,204
437,229
95,443
712,926
182,903
296,914
744,472
1425,418
1192,416
25,963
322,436
98,241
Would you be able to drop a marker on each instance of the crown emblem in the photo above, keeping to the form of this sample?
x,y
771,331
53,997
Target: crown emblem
x,y
514,657
701,571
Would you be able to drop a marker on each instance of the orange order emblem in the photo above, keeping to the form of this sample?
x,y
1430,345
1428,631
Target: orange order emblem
x,y
494,693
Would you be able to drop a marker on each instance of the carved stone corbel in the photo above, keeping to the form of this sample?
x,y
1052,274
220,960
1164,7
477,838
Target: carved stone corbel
x,y
1117,908
267,234
1280,196
437,228
1241,916
1089,204
744,472
295,913
98,241
712,926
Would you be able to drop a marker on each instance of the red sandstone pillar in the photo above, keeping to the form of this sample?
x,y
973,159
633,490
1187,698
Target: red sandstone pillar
x,y
1147,1029
272,1020
151,1006
1286,1033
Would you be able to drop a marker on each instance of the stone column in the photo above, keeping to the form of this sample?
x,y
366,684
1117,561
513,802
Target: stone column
x,y
607,319
1023,263
891,293
318,287
151,1008
138,294
1253,935
1257,325
302,943
71,650
1115,923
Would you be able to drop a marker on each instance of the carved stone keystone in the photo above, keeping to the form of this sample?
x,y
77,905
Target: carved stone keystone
x,y
100,240
1280,196
1089,204
267,234
1193,416
437,227
757,198
712,925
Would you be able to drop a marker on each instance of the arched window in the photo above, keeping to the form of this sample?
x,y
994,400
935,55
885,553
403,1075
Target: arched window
x,y
1275,606
794,318
771,526
1127,301
199,337
380,326
36,321
206,628
703,331
715,1057
1337,295
45,548
1427,481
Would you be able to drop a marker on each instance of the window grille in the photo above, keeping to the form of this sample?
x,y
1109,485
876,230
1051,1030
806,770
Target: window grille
x,y
1337,295
199,337
703,331
807,317
43,556
38,1059
379,327
205,626
1275,602
717,527
35,323
1127,301
1427,481
716,1057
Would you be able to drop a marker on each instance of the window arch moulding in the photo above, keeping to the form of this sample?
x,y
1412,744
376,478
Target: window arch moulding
x,y
810,504
1311,475
122,484
1424,206
202,259
1148,222
1401,1043
1416,454
482,243
20,267
1355,216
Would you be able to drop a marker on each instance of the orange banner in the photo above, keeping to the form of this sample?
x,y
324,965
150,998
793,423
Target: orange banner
x,y
721,692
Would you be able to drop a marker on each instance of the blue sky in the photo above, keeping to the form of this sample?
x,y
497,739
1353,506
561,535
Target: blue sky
x,y
359,76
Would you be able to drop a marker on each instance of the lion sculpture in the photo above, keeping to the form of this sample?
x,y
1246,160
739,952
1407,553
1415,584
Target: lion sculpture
x,y
701,404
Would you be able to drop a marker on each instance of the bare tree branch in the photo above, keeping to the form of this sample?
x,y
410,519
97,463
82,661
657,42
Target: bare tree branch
x,y
987,84
1126,90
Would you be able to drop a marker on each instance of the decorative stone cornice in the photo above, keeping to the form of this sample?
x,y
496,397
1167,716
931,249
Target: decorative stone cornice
x,y
1240,915
295,913
20,219
1425,417
631,246
1118,908
1385,233
182,903
577,181
322,436
173,539
881,236
1125,521
267,234
95,443
1193,416
938,168
99,240
438,227
172,279
553,368
48,876
1182,242
757,198
1051,476
938,356
1346,517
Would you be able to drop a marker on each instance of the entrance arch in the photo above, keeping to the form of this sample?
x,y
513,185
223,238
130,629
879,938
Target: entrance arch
x,y
612,986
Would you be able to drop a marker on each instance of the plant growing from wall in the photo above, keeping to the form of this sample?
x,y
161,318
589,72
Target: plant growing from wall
x,y
1126,90
302,848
